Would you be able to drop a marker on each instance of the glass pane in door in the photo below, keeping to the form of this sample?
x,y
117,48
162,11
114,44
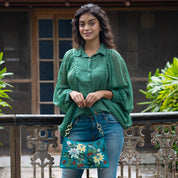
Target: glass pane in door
x,y
65,28
46,49
45,28
46,70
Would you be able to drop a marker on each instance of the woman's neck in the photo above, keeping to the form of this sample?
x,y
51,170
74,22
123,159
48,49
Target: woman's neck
x,y
91,48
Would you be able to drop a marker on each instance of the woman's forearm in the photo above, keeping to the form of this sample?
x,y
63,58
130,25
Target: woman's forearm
x,y
106,94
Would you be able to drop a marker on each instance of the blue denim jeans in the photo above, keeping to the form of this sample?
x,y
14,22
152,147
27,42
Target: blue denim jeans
x,y
84,129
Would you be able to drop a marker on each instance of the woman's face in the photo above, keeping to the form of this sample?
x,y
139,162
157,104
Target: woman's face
x,y
89,27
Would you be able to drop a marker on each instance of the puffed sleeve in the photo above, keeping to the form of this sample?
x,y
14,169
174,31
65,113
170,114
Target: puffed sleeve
x,y
120,83
61,96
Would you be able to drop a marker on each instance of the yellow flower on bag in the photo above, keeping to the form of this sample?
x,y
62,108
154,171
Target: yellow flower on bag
x,y
99,157
81,147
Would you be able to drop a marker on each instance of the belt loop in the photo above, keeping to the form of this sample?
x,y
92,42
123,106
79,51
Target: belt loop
x,y
104,115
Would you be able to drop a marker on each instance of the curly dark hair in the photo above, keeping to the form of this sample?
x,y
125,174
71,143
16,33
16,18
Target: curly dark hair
x,y
106,36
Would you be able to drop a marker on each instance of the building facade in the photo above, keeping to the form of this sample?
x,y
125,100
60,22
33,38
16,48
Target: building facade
x,y
35,34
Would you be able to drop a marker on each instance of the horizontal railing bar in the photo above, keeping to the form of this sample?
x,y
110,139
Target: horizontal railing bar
x,y
51,119
31,119
155,117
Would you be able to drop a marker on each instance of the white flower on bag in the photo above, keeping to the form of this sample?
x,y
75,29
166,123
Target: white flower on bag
x,y
99,157
98,150
74,152
69,143
81,147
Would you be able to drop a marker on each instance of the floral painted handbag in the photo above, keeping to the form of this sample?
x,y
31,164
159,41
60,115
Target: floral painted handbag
x,y
81,155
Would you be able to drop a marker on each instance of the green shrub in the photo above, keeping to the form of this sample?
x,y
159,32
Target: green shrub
x,y
162,89
3,91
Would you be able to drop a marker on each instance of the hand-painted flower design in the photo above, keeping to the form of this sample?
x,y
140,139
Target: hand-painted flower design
x,y
89,154
64,162
74,162
105,162
69,143
99,157
84,154
74,153
98,150
81,165
81,147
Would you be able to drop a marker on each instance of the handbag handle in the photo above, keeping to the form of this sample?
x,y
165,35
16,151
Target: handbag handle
x,y
69,127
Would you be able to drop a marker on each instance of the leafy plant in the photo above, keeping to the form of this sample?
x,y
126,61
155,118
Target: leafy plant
x,y
162,89
3,92
3,85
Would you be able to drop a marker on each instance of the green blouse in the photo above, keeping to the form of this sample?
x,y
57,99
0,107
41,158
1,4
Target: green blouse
x,y
105,70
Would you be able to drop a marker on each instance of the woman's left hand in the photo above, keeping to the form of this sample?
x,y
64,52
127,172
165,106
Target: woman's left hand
x,y
92,98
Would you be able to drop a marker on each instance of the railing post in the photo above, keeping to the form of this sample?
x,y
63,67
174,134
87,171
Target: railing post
x,y
41,138
129,155
15,151
165,136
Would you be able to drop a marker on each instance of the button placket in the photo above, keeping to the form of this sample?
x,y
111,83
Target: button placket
x,y
89,69
89,65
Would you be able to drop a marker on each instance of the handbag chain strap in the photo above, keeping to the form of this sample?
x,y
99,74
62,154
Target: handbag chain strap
x,y
99,127
69,127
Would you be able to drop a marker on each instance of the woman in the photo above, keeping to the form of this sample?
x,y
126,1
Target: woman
x,y
93,74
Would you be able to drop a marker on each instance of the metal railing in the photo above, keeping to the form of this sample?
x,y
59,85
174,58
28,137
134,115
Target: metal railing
x,y
162,127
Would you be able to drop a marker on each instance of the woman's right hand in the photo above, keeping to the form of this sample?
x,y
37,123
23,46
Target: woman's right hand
x,y
78,98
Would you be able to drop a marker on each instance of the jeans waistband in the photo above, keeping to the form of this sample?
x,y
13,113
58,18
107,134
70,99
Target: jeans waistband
x,y
98,115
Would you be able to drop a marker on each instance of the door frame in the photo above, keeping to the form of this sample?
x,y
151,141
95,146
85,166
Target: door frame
x,y
45,13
